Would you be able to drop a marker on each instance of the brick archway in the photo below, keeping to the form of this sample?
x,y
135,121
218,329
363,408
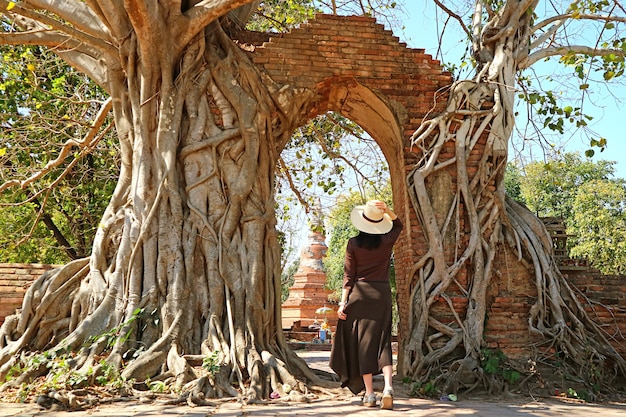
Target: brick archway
x,y
357,68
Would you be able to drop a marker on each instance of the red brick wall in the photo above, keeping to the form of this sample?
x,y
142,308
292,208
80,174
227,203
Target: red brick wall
x,y
512,293
604,298
14,281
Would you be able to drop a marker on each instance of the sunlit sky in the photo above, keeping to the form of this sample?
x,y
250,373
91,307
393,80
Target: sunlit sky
x,y
421,31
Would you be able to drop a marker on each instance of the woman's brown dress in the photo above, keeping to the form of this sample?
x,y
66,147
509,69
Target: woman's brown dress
x,y
362,342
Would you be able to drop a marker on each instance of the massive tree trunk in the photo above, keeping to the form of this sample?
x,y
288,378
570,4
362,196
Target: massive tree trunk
x,y
479,110
185,264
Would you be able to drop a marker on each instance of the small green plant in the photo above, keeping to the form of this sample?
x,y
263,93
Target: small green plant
x,y
109,376
13,372
23,392
117,333
157,386
495,362
416,388
211,363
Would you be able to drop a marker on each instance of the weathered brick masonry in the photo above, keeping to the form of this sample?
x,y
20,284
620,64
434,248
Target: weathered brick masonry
x,y
14,281
357,68
507,326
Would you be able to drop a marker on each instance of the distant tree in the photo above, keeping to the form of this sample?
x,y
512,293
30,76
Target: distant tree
x,y
599,225
340,229
549,188
287,278
585,196
512,182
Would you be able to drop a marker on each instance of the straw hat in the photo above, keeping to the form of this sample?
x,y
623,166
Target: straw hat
x,y
370,219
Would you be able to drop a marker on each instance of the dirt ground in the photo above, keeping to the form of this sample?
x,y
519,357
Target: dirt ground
x,y
342,402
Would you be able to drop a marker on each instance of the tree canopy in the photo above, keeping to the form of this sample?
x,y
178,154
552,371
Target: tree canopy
x,y
585,196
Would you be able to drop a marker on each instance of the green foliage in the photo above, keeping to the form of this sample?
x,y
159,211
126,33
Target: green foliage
x,y
43,104
282,15
118,334
549,188
599,225
157,386
61,374
551,111
211,363
587,198
287,279
323,153
109,376
340,231
495,362
428,389
512,182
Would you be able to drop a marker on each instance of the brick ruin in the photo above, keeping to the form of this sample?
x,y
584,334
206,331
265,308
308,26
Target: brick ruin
x,y
359,69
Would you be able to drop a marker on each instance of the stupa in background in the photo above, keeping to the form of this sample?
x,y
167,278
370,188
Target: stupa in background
x,y
308,292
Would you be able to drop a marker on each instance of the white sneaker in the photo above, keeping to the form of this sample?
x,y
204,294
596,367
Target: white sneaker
x,y
386,403
369,400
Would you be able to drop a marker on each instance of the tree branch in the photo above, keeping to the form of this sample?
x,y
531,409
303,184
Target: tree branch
x,y
148,28
111,14
58,235
90,140
198,17
81,16
79,55
37,22
284,170
568,16
454,16
566,50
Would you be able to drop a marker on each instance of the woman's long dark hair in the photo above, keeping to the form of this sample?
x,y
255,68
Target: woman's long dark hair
x,y
368,241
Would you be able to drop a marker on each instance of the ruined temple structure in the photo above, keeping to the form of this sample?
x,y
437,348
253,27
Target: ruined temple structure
x,y
308,292
557,230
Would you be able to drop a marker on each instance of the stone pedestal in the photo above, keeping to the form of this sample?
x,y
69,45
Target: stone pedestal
x,y
308,293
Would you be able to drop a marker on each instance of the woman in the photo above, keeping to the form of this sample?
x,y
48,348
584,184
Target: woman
x,y
362,344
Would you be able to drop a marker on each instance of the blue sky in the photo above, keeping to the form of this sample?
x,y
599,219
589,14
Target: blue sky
x,y
421,31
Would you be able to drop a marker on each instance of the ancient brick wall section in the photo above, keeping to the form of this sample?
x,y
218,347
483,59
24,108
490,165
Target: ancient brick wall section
x,y
604,298
14,281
